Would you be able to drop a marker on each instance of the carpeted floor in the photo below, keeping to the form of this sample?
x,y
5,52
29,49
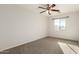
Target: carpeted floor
x,y
44,46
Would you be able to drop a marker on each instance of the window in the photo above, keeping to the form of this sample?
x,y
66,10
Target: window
x,y
59,24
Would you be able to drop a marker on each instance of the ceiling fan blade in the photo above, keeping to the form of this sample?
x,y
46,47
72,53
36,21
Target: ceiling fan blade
x,y
43,11
41,7
53,5
55,10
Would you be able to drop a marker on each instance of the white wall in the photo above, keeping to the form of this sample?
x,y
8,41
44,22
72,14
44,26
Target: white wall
x,y
19,25
72,27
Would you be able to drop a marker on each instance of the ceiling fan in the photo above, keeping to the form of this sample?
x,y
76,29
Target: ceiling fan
x,y
49,8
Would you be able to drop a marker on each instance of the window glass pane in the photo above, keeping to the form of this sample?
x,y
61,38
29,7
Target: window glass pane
x,y
56,22
62,24
59,24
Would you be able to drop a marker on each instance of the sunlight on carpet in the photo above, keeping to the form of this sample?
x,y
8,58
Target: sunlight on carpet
x,y
66,49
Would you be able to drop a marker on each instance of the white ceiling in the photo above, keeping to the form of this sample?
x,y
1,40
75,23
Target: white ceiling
x,y
64,8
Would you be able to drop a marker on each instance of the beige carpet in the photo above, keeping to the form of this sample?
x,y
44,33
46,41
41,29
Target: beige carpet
x,y
46,46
